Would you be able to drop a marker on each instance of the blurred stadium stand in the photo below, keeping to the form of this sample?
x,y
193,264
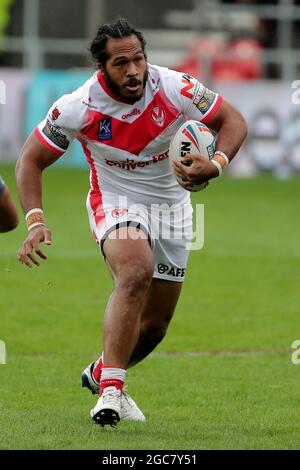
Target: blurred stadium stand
x,y
243,49
43,34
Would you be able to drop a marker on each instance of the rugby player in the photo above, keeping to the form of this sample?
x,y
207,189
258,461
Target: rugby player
x,y
124,116
9,218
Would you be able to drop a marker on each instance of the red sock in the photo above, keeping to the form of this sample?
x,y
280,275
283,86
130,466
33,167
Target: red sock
x,y
111,383
97,370
112,377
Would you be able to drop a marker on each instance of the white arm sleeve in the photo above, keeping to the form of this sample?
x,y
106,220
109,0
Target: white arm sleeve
x,y
193,99
62,124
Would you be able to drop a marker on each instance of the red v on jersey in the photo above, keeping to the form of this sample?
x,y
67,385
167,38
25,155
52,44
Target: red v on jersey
x,y
133,137
185,90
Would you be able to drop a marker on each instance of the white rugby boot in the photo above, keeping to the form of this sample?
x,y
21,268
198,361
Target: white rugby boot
x,y
108,407
88,380
129,409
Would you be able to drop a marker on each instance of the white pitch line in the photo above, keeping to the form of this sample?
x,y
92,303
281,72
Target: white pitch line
x,y
267,352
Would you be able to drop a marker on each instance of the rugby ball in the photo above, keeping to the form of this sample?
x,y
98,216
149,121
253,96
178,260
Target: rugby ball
x,y
192,137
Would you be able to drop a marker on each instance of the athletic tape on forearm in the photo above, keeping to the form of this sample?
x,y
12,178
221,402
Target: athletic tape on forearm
x,y
218,166
34,218
220,160
223,155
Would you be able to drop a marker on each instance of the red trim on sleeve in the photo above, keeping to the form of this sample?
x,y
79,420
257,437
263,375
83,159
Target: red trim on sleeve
x,y
213,111
45,143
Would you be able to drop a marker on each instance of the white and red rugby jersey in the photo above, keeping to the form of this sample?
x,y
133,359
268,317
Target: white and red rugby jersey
x,y
126,145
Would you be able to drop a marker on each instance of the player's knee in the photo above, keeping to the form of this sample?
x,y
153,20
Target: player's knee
x,y
136,278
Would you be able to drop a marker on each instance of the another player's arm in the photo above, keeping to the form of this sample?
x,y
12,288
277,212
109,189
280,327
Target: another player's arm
x,y
232,131
9,218
33,160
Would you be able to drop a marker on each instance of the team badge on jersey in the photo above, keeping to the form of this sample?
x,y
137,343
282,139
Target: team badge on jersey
x,y
55,114
105,129
204,99
158,115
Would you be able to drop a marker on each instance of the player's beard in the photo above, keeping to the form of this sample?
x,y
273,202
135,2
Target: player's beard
x,y
118,90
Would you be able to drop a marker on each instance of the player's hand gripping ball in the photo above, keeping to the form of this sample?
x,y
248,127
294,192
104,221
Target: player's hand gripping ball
x,y
192,137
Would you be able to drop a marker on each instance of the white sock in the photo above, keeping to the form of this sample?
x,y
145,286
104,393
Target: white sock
x,y
111,373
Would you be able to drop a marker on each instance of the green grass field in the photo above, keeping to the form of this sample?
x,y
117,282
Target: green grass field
x,y
223,377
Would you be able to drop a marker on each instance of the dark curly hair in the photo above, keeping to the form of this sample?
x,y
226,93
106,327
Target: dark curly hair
x,y
119,29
